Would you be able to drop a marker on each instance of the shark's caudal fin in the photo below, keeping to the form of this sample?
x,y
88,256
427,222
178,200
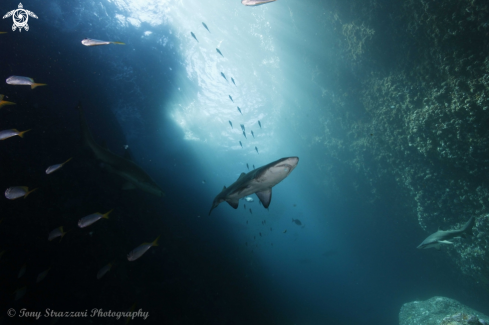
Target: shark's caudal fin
x,y
265,197
467,228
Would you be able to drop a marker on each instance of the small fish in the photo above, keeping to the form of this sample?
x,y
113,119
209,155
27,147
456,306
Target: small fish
x,y
4,102
91,218
244,134
233,81
53,168
23,81
42,275
244,206
206,27
131,310
259,124
5,134
104,270
241,144
224,76
256,150
246,221
260,234
58,232
242,127
193,35
240,110
140,250
285,231
15,192
247,166
231,98
296,221
252,134
219,52
19,293
96,42
231,124
251,211
3,32
22,271
255,2
253,166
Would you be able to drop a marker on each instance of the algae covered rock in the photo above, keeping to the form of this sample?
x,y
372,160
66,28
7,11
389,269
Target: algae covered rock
x,y
440,311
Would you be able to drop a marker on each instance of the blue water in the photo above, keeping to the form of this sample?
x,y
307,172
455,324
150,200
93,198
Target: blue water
x,y
351,261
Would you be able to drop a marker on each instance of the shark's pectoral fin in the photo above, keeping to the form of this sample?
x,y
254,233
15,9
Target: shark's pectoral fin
x,y
234,203
446,242
265,197
128,186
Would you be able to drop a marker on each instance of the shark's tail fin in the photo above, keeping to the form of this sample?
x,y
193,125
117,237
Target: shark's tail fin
x,y
467,229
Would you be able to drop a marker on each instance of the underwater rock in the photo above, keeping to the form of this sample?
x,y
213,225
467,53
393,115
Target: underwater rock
x,y
439,311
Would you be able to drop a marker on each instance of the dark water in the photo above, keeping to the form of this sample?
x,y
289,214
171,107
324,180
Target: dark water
x,y
351,261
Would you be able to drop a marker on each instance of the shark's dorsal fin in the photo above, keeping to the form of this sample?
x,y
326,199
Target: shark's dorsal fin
x,y
265,197
234,203
241,176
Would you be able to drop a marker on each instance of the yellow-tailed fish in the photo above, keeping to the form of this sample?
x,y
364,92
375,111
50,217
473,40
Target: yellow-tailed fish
x,y
42,275
20,292
15,192
58,232
23,81
5,134
53,168
3,32
91,218
104,270
22,271
128,319
141,249
96,42
4,102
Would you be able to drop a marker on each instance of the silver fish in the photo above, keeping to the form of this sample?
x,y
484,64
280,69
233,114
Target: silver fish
x,y
20,292
42,275
22,271
104,270
140,250
5,134
53,168
15,192
23,81
95,42
91,218
255,2
58,232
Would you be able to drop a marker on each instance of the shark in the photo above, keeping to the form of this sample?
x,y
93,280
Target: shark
x,y
442,237
259,181
125,168
255,2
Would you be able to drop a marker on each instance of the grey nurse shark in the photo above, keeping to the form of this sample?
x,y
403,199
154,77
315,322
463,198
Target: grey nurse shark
x,y
443,236
259,181
125,168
